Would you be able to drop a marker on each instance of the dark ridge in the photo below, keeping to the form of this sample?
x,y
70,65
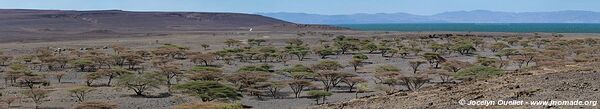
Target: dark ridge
x,y
29,23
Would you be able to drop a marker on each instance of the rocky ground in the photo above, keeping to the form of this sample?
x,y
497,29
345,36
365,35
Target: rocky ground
x,y
562,82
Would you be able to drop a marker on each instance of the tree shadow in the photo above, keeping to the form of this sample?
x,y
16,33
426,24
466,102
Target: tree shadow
x,y
160,95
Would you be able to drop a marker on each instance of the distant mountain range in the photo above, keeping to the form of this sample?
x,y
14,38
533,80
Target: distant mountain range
x,y
476,16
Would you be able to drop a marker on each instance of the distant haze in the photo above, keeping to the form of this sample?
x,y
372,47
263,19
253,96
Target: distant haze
x,y
476,16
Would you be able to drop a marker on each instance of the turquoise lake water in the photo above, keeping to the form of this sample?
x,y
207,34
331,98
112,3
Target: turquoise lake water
x,y
481,27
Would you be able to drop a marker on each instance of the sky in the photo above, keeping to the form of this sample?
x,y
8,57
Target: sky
x,y
329,7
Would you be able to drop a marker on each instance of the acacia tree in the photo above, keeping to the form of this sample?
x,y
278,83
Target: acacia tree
x,y
37,95
327,65
199,73
169,72
80,93
59,76
298,86
324,52
231,42
297,50
246,79
275,87
113,73
298,72
415,65
346,44
4,59
530,55
498,46
371,47
463,48
295,41
205,46
90,77
455,65
384,72
10,99
507,53
434,59
205,58
170,51
436,47
31,80
352,81
256,42
132,59
209,90
519,60
82,64
329,78
140,83
356,63
16,71
413,83
478,72
318,95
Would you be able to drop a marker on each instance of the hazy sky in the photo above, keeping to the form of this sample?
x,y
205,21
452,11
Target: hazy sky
x,y
421,7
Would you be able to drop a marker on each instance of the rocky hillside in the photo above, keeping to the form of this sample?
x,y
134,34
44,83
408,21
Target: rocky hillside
x,y
564,82
39,24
